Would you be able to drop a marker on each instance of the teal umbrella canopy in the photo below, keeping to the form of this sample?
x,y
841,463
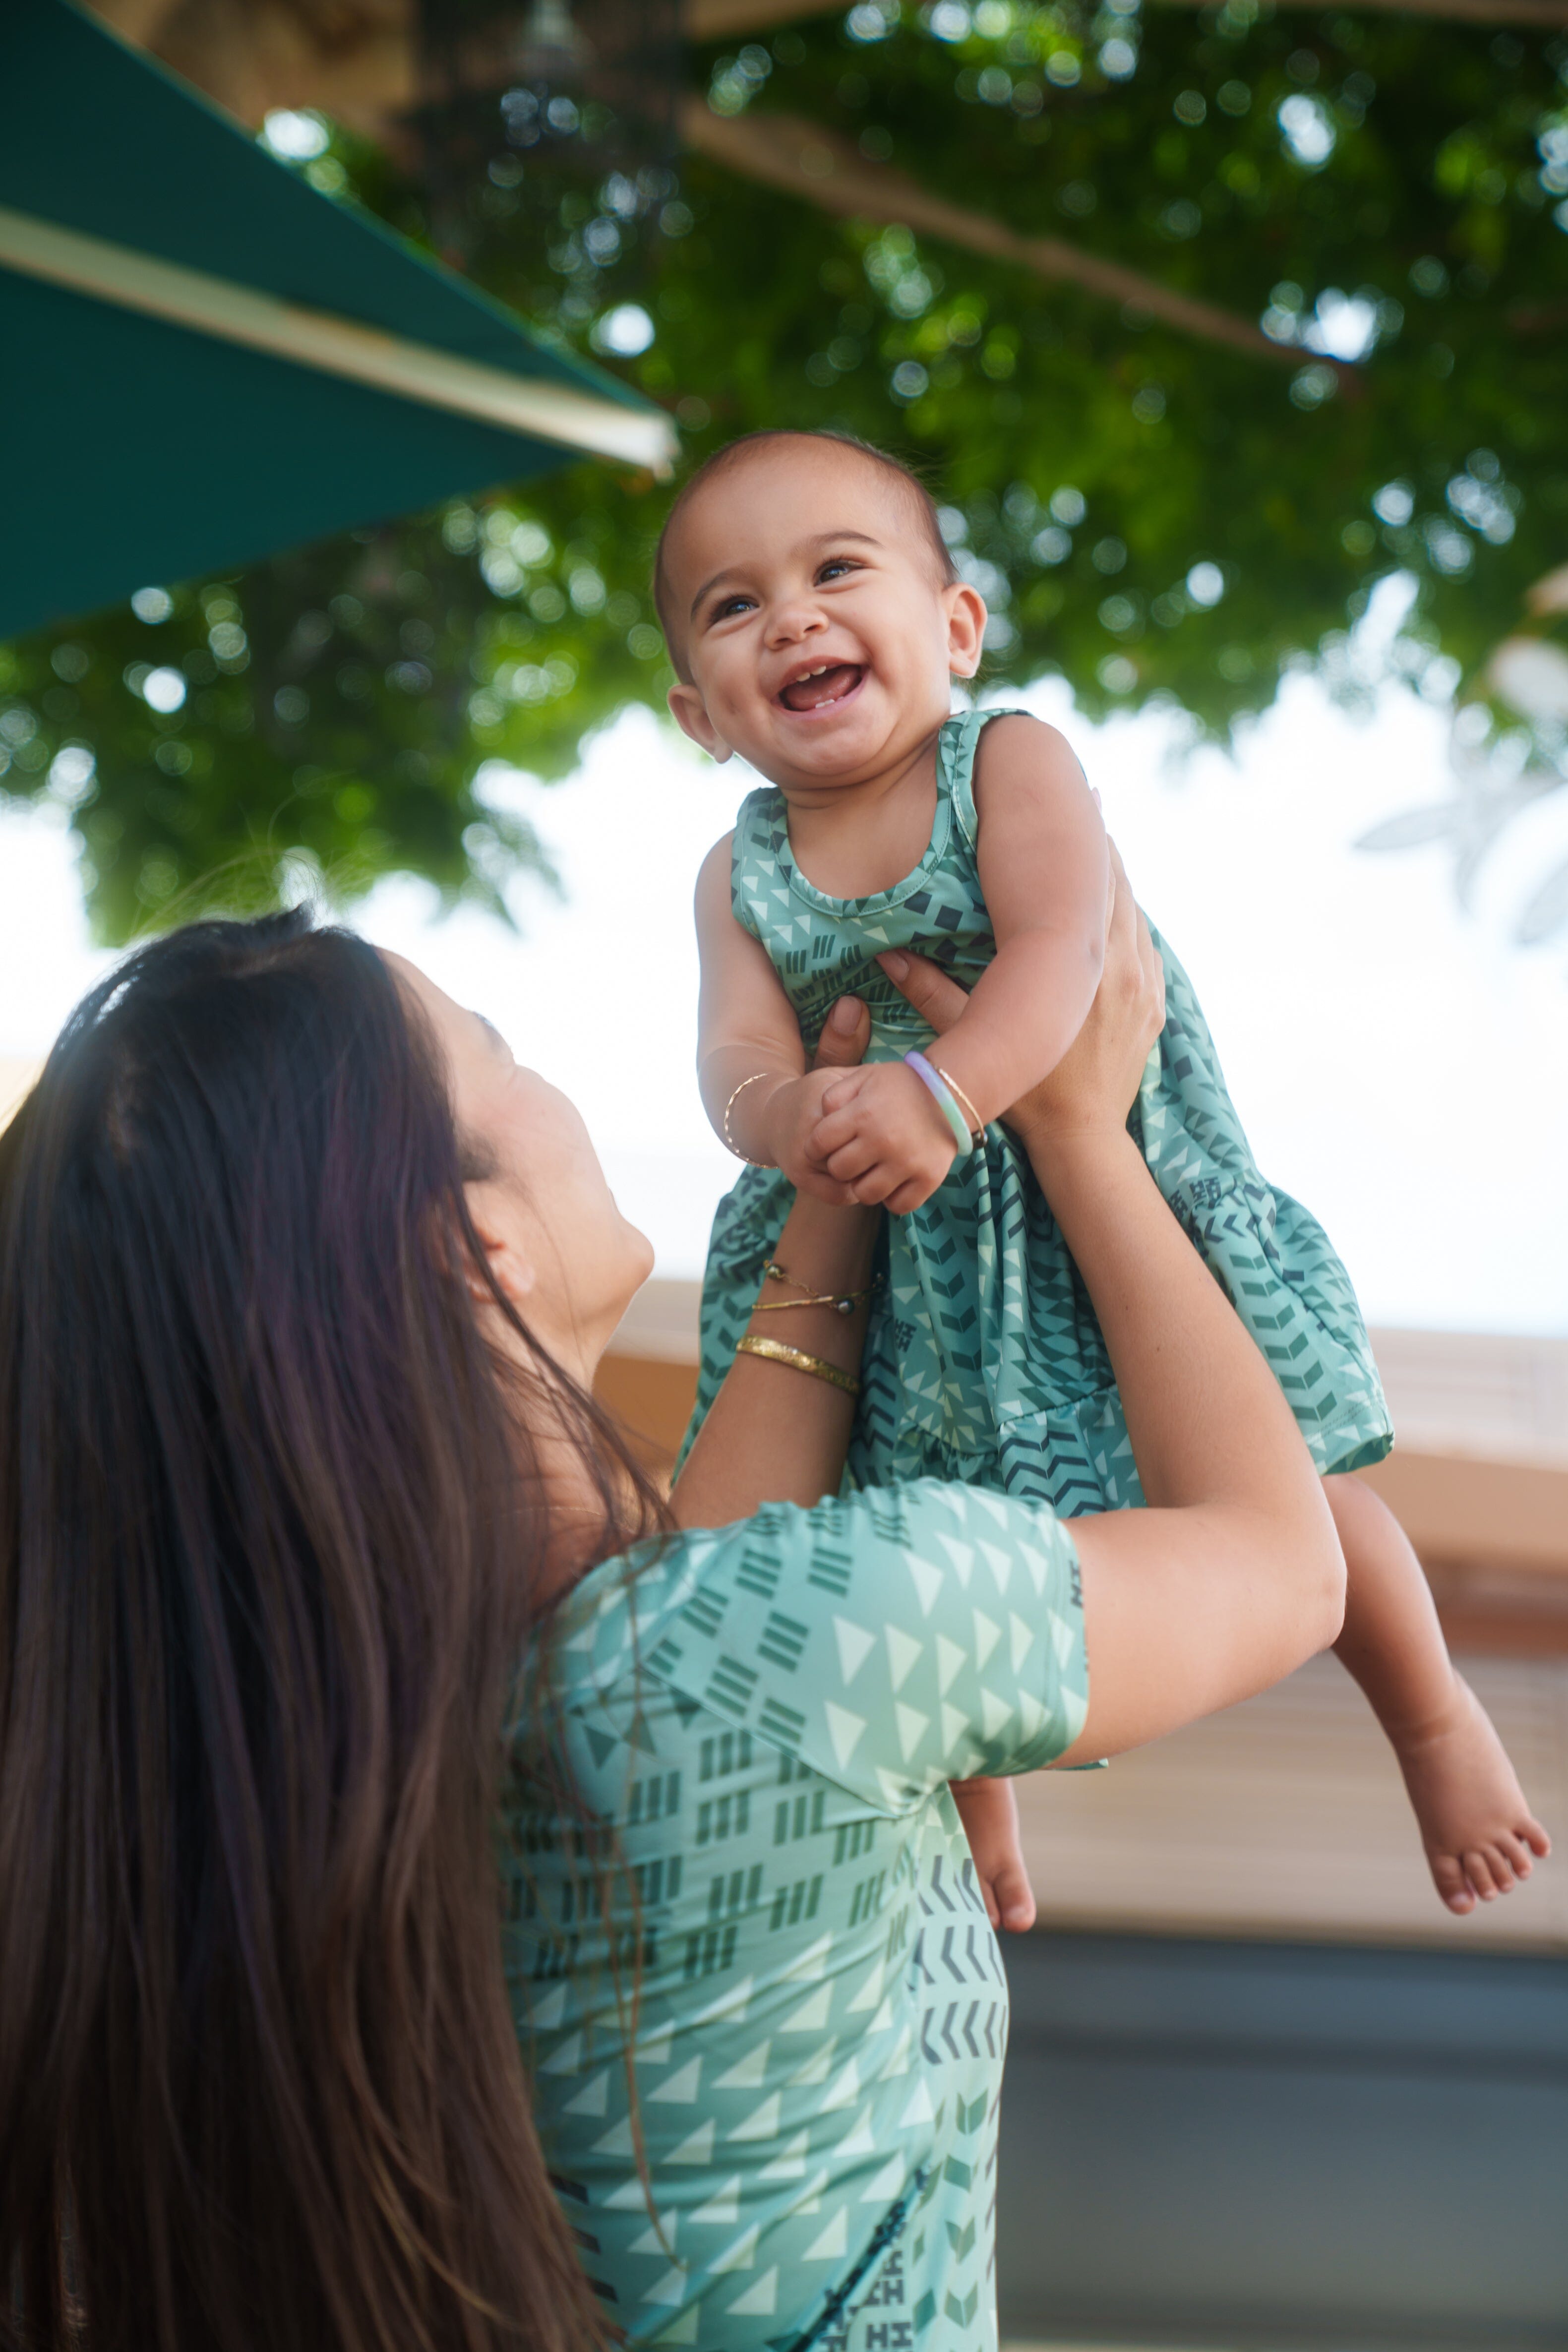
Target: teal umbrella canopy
x,y
203,360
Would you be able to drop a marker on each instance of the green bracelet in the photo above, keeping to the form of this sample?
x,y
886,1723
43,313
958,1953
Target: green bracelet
x,y
943,1094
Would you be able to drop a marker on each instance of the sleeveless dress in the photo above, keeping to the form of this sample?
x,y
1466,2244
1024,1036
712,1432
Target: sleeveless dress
x,y
984,1360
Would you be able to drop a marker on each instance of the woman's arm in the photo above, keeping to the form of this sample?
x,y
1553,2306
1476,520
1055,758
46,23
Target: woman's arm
x,y
1232,1576
775,1433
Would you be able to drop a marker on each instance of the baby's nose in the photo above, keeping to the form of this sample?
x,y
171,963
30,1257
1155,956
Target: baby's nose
x,y
797,620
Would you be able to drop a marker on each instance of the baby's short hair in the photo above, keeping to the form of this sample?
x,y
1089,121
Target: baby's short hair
x,y
733,452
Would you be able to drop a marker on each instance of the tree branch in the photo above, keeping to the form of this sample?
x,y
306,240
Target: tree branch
x,y
723,20
783,152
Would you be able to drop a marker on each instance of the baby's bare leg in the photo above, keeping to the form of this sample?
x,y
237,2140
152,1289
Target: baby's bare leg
x,y
989,1812
1480,1833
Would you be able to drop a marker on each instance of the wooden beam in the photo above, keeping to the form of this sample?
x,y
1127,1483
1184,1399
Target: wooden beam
x,y
781,150
723,20
1541,15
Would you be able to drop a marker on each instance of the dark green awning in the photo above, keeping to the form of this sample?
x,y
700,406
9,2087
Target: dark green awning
x,y
202,359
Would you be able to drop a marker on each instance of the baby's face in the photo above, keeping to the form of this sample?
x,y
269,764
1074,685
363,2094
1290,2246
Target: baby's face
x,y
820,638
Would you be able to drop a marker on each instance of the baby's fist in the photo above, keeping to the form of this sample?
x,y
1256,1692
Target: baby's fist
x,y
789,1126
882,1132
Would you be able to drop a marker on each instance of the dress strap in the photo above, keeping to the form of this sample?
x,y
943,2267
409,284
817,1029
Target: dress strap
x,y
762,825
956,747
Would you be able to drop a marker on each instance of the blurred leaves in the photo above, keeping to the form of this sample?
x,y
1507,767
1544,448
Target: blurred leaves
x,y
1153,516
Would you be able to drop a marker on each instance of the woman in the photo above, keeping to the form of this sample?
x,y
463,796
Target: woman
x,y
302,1286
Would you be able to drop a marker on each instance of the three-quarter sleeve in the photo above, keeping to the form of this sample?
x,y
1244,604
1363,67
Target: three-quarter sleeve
x,y
892,1640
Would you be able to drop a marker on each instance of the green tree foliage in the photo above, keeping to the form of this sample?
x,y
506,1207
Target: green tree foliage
x,y
1149,513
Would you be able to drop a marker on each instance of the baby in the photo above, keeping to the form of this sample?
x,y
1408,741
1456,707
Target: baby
x,y
815,622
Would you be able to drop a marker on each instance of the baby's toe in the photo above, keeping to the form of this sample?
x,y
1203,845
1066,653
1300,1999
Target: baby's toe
x,y
1478,1870
1517,1851
1448,1874
1535,1837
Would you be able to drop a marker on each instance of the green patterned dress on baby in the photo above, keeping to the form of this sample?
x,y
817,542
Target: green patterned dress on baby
x,y
984,1361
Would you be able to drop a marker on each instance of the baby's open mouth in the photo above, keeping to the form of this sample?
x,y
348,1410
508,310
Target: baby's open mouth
x,y
820,687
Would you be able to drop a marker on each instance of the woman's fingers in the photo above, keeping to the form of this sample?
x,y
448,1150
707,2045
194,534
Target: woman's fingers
x,y
845,1033
1130,943
935,997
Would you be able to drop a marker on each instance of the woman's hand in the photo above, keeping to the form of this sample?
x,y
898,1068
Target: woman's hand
x,y
777,1433
1095,1083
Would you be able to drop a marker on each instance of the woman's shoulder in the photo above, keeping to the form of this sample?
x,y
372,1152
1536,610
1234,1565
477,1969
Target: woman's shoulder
x,y
873,1531
889,1639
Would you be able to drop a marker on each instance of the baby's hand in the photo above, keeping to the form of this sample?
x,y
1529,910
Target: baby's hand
x,y
883,1133
788,1127
989,1812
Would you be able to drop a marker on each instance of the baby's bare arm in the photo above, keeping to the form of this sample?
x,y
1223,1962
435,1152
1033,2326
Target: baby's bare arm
x,y
747,1031
746,1026
1045,869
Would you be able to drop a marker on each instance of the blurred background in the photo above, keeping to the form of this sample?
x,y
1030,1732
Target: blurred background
x,y
1233,342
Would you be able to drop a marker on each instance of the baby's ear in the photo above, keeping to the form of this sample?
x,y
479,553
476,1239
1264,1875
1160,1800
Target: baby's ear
x,y
690,715
966,618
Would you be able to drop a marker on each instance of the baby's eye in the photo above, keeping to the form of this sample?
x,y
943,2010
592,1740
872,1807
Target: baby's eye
x,y
722,611
836,566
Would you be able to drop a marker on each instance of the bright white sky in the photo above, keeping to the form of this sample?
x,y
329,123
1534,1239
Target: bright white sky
x,y
1398,1064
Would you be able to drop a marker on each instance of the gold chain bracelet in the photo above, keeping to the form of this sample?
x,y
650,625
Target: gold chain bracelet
x,y
773,1351
843,1302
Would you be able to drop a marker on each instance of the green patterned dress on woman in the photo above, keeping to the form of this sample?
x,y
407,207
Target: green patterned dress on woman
x,y
985,1362
758,1994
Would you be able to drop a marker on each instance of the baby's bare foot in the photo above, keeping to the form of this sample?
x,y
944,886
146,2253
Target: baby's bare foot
x,y
1009,1897
1480,1834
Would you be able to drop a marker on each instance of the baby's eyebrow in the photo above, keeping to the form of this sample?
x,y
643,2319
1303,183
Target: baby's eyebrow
x,y
817,539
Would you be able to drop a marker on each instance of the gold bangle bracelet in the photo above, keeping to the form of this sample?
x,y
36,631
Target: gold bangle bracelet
x,y
729,1142
773,1351
976,1124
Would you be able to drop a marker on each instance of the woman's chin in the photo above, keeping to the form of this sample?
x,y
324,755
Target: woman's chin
x,y
639,1255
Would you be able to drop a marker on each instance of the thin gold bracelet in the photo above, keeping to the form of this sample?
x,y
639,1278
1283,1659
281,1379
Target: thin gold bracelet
x,y
729,1142
976,1124
843,1302
773,1351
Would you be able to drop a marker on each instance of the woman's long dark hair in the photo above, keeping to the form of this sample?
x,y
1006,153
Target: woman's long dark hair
x,y
265,1543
